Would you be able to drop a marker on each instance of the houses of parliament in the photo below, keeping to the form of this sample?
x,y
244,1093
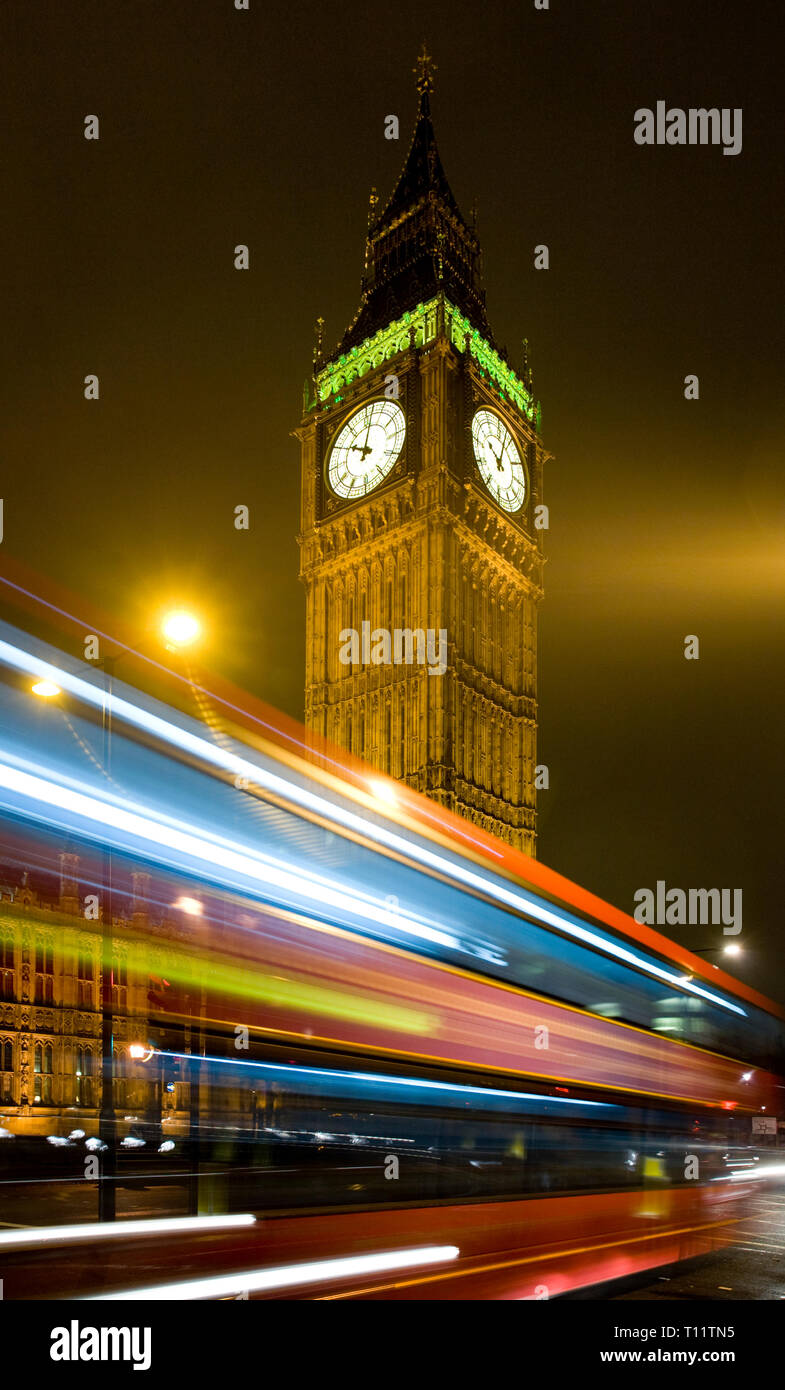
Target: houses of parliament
x,y
52,967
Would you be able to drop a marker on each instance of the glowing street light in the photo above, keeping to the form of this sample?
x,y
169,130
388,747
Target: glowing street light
x,y
731,948
383,791
190,906
46,689
181,628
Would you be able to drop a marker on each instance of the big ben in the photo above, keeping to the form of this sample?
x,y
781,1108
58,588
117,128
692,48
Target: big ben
x,y
421,506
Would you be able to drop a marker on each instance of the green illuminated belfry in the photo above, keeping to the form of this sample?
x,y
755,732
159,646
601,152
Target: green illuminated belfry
x,y
421,506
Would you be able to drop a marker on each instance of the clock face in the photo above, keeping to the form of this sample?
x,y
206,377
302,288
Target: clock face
x,y
498,461
366,449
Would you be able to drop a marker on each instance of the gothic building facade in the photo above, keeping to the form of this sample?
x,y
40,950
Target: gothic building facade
x,y
51,997
421,553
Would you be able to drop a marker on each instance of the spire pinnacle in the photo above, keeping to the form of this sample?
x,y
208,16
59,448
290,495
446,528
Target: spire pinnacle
x,y
424,71
319,339
417,243
526,371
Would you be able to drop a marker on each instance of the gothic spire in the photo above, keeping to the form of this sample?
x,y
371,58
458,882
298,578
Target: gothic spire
x,y
424,72
422,172
419,244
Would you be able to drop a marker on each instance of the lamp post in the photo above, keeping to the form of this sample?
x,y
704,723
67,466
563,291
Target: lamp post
x,y
107,1185
178,628
47,690
196,1047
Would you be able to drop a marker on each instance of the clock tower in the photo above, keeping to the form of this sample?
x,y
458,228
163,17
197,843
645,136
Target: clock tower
x,y
421,489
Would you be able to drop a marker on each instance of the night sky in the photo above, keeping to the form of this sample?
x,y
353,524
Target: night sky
x,y
221,127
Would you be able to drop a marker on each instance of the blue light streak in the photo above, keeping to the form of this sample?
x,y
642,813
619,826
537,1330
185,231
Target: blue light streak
x,y
290,791
379,1082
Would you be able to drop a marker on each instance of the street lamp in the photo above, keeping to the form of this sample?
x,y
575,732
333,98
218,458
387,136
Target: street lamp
x,y
106,1117
180,628
732,948
193,908
46,689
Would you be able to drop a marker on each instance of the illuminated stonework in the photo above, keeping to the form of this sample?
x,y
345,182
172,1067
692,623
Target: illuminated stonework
x,y
419,327
50,1012
428,548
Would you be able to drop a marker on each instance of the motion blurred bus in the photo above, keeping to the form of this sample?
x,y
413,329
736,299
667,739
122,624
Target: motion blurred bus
x,y
323,1038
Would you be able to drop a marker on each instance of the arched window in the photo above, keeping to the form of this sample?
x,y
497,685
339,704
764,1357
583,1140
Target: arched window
x,y
327,632
470,753
120,1081
7,984
84,982
44,973
43,1073
119,982
388,749
7,1072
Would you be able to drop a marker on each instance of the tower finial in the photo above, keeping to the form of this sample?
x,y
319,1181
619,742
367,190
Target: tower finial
x,y
440,240
319,334
526,373
424,71
372,201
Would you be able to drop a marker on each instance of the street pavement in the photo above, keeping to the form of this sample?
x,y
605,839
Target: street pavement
x,y
752,1268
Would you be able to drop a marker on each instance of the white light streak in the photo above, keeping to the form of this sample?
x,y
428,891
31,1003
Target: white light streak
x,y
287,1276
214,851
118,1230
179,737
